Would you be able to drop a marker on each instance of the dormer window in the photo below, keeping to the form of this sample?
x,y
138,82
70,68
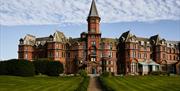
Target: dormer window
x,y
142,42
21,41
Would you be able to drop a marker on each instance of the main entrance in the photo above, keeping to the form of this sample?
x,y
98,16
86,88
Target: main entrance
x,y
93,70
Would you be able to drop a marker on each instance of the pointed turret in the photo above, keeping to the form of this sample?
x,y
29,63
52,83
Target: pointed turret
x,y
93,10
93,19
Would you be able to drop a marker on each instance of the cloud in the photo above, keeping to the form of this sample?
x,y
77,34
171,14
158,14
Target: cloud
x,y
40,12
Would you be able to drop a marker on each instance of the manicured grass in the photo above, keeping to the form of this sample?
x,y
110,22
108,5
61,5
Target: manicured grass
x,y
14,83
141,83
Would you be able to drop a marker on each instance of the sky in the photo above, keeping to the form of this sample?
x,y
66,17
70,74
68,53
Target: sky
x,y
144,18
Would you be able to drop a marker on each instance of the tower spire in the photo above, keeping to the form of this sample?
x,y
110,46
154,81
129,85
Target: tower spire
x,y
93,10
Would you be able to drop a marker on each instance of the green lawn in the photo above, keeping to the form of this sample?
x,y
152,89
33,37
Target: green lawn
x,y
13,83
142,83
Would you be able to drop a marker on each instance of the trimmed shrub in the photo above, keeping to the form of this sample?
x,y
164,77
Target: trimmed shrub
x,y
51,68
40,66
106,74
3,68
158,73
104,84
18,67
54,68
83,73
83,85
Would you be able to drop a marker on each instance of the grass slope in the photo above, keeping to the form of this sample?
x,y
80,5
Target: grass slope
x,y
13,83
142,83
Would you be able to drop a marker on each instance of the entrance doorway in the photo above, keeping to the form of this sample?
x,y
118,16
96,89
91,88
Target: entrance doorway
x,y
93,70
150,68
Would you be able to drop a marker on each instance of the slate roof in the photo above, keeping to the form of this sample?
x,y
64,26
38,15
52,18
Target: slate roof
x,y
109,40
93,10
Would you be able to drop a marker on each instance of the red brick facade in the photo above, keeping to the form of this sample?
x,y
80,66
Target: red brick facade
x,y
127,55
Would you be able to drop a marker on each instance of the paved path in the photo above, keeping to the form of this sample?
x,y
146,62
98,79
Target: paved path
x,y
94,84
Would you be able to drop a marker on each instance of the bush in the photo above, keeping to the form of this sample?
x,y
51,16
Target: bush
x,y
83,85
106,74
3,68
104,84
17,67
83,73
40,66
158,73
51,68
54,68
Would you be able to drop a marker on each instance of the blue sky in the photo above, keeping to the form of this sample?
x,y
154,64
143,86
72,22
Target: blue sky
x,y
143,18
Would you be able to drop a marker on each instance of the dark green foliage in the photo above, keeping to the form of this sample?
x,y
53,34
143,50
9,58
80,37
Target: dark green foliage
x,y
54,68
27,68
51,68
3,68
106,74
40,66
83,85
158,73
17,67
83,73
105,86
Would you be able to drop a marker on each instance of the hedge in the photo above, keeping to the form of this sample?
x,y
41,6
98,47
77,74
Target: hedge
x,y
84,84
17,67
51,68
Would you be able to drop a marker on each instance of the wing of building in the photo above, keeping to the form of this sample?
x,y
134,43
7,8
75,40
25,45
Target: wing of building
x,y
127,54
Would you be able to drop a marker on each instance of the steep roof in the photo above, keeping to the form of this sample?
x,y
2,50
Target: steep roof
x,y
93,11
109,40
59,36
124,36
155,39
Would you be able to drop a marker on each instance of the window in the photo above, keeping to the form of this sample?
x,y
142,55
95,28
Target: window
x,y
92,30
164,56
92,21
107,69
93,59
57,45
109,62
50,54
134,46
139,55
57,54
170,57
93,43
101,45
134,54
26,55
142,42
101,54
26,48
110,46
110,54
163,48
145,49
145,55
93,36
